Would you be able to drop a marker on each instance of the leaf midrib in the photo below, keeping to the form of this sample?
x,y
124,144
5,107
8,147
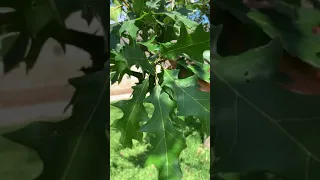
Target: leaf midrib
x,y
187,93
164,133
134,106
182,47
269,118
84,130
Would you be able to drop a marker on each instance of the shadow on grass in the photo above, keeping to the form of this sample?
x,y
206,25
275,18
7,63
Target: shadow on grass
x,y
140,158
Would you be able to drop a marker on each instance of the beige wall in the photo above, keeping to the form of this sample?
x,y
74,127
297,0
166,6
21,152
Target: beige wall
x,y
48,80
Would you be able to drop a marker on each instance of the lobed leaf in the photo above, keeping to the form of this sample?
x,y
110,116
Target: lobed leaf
x,y
138,6
131,28
202,71
193,45
134,112
75,148
295,32
260,126
190,100
134,56
168,142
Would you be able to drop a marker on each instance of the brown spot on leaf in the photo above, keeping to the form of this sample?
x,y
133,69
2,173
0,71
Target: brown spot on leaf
x,y
316,30
306,78
204,86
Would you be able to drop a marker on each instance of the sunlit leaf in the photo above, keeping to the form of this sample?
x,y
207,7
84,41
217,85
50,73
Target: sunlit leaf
x,y
168,142
190,100
134,112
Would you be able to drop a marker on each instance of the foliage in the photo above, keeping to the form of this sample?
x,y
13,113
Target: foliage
x,y
128,163
76,147
168,47
265,98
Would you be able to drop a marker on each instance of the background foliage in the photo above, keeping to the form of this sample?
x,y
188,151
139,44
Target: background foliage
x,y
72,148
266,90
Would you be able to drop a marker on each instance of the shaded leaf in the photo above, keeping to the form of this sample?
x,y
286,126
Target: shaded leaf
x,y
259,125
88,14
6,43
35,8
134,56
150,45
298,41
34,51
75,148
293,26
18,162
16,53
114,37
184,11
202,71
182,20
138,6
214,35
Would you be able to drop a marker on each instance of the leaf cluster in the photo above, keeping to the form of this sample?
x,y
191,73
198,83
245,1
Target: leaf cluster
x,y
158,43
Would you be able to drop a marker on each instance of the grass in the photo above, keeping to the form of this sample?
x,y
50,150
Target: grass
x,y
128,164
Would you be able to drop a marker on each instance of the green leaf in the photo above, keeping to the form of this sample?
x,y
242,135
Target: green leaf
x,y
114,37
119,68
168,142
134,56
200,70
138,6
190,100
295,32
26,162
75,148
168,34
15,54
193,45
260,126
115,11
36,23
184,11
293,25
214,35
131,28
150,45
206,55
181,19
293,2
88,14
34,51
134,112
153,4
6,43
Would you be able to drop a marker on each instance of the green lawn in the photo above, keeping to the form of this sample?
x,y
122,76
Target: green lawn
x,y
128,164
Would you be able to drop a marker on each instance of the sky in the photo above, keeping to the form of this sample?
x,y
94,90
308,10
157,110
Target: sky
x,y
122,17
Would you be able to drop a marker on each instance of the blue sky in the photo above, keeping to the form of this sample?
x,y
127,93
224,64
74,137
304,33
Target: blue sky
x,y
122,17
